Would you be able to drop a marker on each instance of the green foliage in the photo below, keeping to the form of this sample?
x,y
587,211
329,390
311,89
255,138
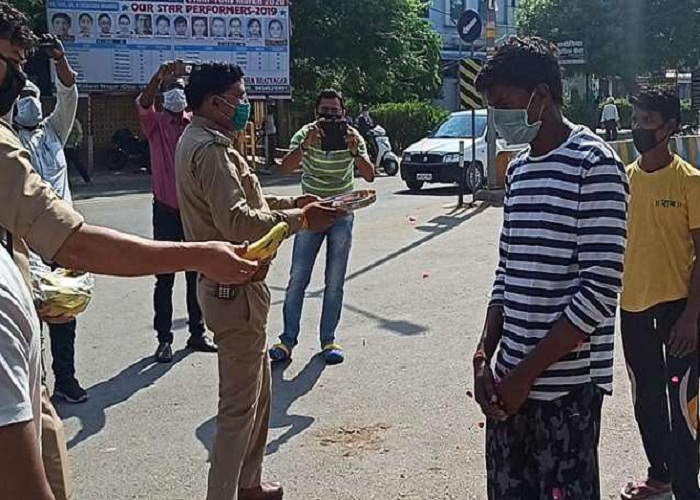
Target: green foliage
x,y
372,51
408,122
622,37
35,10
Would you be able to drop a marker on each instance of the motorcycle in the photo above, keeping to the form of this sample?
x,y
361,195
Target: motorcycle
x,y
380,151
129,149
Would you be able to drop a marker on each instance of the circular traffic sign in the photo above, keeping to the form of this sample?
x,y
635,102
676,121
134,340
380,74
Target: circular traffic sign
x,y
469,26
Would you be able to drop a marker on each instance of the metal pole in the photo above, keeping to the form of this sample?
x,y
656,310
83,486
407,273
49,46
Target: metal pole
x,y
492,174
473,162
462,177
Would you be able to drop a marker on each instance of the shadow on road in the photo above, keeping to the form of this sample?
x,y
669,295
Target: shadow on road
x,y
112,392
433,228
398,326
434,191
284,394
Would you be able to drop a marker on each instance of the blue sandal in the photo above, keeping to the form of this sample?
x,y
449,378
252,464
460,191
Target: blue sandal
x,y
333,354
279,353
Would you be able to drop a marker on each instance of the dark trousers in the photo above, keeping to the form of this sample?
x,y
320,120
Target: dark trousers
x,y
671,445
167,226
73,160
547,450
610,130
63,351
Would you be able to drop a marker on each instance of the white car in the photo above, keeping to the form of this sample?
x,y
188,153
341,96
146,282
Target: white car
x,y
435,159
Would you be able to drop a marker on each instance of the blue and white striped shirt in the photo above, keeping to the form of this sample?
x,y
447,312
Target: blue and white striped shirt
x,y
561,254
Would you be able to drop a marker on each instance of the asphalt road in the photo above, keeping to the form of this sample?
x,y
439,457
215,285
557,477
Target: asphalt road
x,y
391,423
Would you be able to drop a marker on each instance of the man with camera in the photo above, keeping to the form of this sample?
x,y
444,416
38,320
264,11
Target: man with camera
x,y
44,138
327,151
163,128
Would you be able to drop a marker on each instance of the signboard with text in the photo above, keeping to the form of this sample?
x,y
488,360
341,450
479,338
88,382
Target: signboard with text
x,y
572,52
118,45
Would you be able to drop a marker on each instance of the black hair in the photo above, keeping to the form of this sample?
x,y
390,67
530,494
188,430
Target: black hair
x,y
124,16
63,16
275,21
103,16
660,101
85,14
254,20
218,19
14,26
235,19
161,17
210,78
330,94
180,20
524,63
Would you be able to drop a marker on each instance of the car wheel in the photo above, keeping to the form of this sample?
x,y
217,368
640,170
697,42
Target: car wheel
x,y
474,177
414,186
391,168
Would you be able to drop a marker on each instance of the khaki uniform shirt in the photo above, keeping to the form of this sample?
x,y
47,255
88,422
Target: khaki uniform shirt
x,y
29,208
220,198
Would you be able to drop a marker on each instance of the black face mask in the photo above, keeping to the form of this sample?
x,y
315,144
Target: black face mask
x,y
12,86
645,139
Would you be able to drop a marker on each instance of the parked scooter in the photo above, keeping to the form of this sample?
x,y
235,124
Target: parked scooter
x,y
380,151
129,149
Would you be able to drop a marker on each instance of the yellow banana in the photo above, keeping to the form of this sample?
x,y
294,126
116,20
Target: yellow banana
x,y
266,247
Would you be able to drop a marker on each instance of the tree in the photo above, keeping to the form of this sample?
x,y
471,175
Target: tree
x,y
623,37
35,10
373,51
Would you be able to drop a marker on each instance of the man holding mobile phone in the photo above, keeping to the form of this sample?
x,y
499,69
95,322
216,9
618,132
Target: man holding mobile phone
x,y
327,152
163,129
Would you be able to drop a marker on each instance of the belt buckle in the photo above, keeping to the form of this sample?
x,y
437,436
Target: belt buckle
x,y
224,292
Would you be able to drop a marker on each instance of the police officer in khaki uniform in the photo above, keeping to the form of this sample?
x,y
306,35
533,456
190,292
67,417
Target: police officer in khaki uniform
x,y
221,199
31,214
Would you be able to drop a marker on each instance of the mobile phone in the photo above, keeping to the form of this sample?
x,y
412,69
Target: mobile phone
x,y
183,68
334,132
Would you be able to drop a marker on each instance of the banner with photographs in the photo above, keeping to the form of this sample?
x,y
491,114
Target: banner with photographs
x,y
118,45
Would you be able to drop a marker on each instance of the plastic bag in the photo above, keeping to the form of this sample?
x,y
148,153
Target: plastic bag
x,y
63,292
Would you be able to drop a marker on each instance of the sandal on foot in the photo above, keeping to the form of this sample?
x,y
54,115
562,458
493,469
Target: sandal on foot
x,y
333,354
649,488
279,353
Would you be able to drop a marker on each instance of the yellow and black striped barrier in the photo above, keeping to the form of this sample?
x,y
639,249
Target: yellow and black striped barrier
x,y
469,98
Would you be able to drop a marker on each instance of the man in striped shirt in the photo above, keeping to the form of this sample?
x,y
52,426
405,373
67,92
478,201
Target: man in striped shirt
x,y
550,322
323,174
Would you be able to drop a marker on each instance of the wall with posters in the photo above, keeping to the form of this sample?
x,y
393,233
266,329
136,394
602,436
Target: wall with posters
x,y
118,45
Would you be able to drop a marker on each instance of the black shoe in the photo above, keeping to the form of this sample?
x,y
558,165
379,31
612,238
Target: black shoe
x,y
164,353
201,343
71,392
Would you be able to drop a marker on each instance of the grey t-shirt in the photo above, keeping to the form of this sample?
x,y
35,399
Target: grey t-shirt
x,y
20,361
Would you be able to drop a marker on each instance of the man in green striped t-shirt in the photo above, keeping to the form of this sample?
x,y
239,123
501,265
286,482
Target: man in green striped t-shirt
x,y
323,174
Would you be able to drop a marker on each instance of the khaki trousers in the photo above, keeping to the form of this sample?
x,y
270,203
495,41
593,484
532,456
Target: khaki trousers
x,y
239,325
54,452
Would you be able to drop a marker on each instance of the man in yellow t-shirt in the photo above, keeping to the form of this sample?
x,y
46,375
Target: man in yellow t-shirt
x,y
661,301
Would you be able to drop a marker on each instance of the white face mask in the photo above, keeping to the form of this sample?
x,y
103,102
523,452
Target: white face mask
x,y
29,112
175,101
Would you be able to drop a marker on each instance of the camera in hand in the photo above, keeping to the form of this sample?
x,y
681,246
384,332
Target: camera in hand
x,y
334,133
183,68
